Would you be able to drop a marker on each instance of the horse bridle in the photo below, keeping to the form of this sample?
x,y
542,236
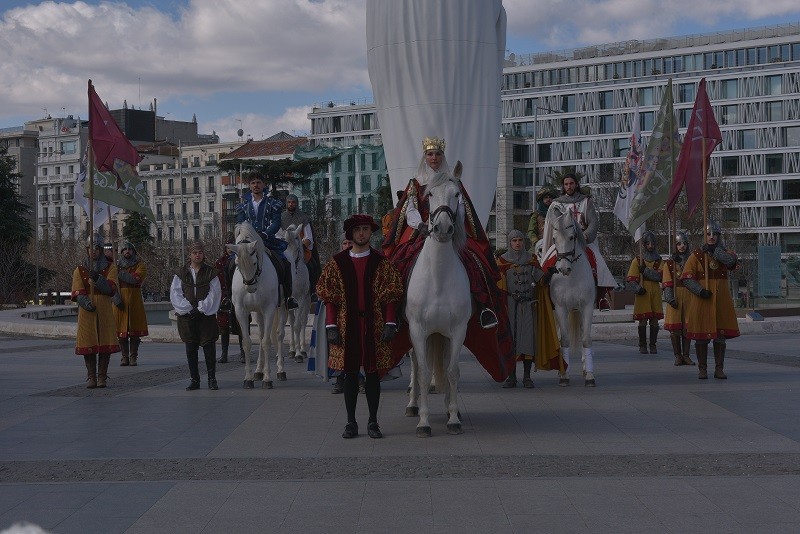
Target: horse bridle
x,y
443,208
570,256
254,279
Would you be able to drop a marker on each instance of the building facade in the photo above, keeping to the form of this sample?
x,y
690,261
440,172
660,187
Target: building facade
x,y
21,144
574,109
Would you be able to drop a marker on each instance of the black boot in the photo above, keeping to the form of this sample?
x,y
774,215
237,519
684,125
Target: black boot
x,y
338,386
702,360
653,338
291,304
675,338
194,370
642,338
685,344
719,361
210,355
135,342
225,341
124,348
527,381
511,379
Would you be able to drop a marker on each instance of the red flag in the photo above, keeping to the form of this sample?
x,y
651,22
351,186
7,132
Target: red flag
x,y
108,141
703,129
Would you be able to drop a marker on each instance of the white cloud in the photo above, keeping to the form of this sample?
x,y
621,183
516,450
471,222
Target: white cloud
x,y
293,121
212,46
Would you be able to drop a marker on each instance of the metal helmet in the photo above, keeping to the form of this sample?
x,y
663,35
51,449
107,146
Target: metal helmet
x,y
682,237
713,228
291,196
95,241
126,245
649,237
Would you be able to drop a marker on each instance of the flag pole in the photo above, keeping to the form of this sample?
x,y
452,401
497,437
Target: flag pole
x,y
90,175
705,206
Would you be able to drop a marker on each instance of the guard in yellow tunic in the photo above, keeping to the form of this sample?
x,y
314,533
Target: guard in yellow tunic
x,y
644,277
710,315
131,317
94,285
530,311
677,297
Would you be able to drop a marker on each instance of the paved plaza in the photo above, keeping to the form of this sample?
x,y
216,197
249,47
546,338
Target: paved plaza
x,y
651,449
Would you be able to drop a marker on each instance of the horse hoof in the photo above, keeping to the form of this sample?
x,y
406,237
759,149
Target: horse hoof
x,y
590,383
454,428
299,358
431,390
291,355
412,411
282,377
249,384
303,354
258,377
266,384
423,431
563,382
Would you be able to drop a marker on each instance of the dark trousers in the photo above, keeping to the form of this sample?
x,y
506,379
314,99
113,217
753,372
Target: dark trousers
x,y
372,389
210,355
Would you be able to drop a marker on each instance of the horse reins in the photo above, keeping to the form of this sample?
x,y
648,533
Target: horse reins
x,y
443,208
571,257
254,279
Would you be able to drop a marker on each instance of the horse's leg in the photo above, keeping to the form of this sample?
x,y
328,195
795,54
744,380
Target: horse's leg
x,y
259,374
562,318
247,344
278,335
586,341
302,323
424,364
412,409
453,348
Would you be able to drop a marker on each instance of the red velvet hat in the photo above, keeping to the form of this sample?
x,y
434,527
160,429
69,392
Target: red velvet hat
x,y
357,220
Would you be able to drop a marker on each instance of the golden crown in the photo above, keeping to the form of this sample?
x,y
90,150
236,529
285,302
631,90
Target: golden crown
x,y
432,143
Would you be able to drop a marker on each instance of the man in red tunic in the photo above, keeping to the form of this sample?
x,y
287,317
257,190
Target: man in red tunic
x,y
360,289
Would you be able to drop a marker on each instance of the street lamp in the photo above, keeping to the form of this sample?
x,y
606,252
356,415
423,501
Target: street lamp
x,y
180,184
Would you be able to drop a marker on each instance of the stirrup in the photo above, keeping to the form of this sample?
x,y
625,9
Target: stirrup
x,y
291,304
487,319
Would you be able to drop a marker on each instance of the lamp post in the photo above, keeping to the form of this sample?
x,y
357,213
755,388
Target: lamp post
x,y
180,184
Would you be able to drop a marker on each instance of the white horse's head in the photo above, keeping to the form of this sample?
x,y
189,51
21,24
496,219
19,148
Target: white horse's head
x,y
567,237
249,250
446,221
294,249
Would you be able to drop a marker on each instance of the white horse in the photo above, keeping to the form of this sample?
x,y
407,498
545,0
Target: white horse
x,y
301,291
438,304
255,291
572,291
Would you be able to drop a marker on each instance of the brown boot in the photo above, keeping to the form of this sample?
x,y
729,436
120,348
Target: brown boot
x,y
123,343
653,338
675,337
135,342
702,360
91,368
719,361
642,339
686,343
102,369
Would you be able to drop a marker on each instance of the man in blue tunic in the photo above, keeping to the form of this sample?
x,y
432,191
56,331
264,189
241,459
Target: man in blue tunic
x,y
264,213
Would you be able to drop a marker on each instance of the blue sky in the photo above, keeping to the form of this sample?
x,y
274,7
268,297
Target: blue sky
x,y
266,62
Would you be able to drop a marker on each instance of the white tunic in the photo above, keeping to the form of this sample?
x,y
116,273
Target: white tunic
x,y
436,70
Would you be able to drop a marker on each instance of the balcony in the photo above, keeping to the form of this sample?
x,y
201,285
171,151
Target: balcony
x,y
43,221
55,219
68,219
43,197
69,196
55,196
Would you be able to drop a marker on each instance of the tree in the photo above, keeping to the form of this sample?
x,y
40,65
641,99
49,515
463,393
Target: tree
x,y
17,276
280,171
137,231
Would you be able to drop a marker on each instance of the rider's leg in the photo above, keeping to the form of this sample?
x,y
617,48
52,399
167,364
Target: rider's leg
x,y
287,284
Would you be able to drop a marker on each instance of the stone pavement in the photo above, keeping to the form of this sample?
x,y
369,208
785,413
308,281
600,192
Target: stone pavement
x,y
650,449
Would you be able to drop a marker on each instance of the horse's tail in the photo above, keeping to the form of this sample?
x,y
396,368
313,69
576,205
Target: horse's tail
x,y
575,332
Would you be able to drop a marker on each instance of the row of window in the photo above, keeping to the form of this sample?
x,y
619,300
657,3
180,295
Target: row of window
x,y
635,68
195,213
790,190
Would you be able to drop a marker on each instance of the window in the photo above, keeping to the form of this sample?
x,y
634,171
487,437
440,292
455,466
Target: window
x,y
57,171
522,200
210,184
774,85
583,149
520,154
196,233
646,96
170,187
791,189
336,207
568,127
158,187
545,152
729,165
71,169
523,177
746,191
605,124
606,100
351,162
69,147
196,208
684,116
196,184
793,136
730,216
621,147
337,165
211,206
646,120
183,185
171,210
351,183
729,114
568,103
729,89
366,184
337,124
791,242
775,216
337,188
774,163
747,139
686,92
